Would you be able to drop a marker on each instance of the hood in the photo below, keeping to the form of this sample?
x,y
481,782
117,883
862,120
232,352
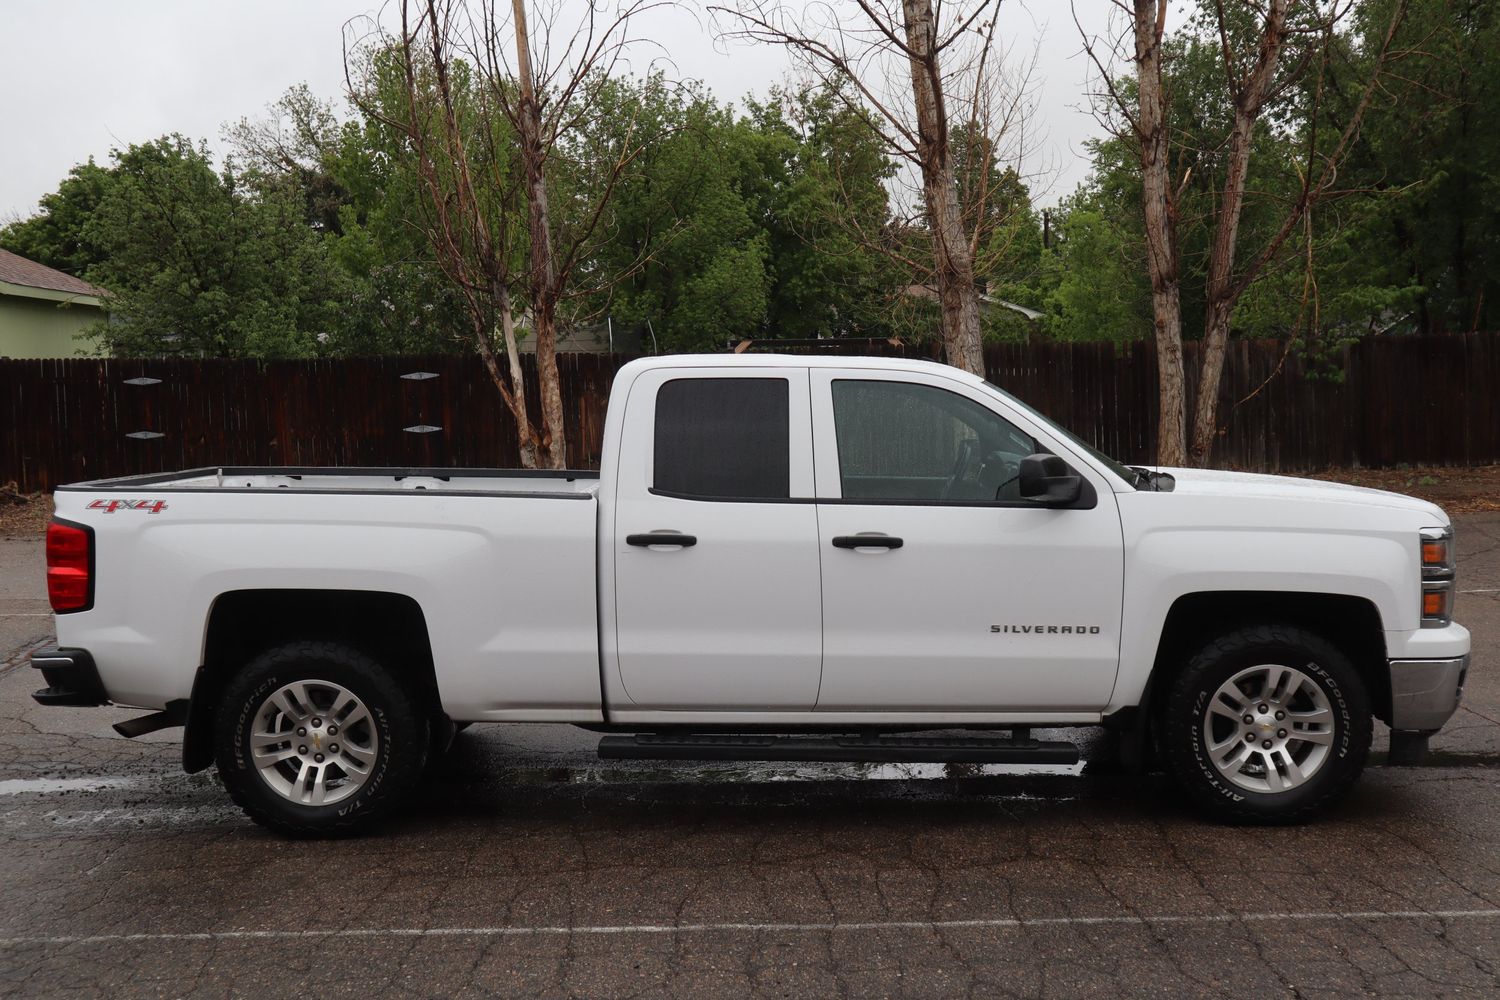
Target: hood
x,y
1212,482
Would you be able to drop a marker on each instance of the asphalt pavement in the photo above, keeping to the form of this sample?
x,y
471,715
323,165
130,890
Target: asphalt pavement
x,y
529,868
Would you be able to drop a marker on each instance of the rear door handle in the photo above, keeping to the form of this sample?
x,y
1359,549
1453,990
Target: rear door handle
x,y
867,542
662,538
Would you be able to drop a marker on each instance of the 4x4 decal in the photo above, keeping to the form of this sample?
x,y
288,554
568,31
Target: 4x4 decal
x,y
110,506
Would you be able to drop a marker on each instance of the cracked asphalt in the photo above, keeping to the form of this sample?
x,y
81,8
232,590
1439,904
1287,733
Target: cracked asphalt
x,y
529,868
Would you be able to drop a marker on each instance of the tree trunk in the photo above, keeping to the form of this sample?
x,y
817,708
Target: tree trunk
x,y
1210,377
953,268
525,436
544,290
1161,234
1220,292
953,263
1249,98
548,381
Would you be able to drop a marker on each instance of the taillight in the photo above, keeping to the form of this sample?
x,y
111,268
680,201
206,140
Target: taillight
x,y
70,586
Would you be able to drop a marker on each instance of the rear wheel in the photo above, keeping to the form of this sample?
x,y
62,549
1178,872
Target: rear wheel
x,y
1267,724
318,739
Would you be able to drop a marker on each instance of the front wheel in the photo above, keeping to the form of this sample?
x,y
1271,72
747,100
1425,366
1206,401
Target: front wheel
x,y
318,739
1267,724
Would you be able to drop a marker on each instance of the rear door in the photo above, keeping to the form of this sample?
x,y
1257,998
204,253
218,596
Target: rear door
x,y
943,591
717,585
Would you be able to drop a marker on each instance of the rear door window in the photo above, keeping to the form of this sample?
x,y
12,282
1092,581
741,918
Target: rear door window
x,y
723,439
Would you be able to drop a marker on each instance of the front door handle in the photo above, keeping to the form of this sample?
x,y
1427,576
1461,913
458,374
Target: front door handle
x,y
867,542
662,538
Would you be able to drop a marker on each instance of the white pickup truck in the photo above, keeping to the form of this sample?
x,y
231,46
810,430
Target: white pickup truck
x,y
781,558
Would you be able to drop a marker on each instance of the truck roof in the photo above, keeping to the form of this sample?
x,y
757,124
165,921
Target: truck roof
x,y
800,361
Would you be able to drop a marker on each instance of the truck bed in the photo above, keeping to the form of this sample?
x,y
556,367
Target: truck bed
x,y
498,565
481,482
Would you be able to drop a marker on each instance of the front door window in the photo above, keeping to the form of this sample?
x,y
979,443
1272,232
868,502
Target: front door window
x,y
913,442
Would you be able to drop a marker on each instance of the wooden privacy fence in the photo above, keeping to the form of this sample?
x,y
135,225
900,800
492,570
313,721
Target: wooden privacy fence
x,y
1418,400
69,420
1413,400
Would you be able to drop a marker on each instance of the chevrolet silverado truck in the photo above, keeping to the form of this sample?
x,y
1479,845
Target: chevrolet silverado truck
x,y
781,558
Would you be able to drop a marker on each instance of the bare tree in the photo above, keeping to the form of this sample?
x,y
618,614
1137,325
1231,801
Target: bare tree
x,y
500,139
1160,209
994,148
1292,38
466,174
914,68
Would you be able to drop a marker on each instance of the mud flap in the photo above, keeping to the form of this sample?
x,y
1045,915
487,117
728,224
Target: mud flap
x,y
197,736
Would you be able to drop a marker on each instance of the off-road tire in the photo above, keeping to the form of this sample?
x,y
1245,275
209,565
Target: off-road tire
x,y
401,725
1187,702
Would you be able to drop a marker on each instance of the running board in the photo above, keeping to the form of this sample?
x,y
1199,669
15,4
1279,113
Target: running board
x,y
175,714
888,749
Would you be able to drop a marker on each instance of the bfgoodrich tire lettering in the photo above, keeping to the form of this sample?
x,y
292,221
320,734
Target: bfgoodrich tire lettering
x,y
1290,767
392,739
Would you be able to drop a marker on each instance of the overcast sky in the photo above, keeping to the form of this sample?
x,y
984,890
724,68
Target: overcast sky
x,y
81,77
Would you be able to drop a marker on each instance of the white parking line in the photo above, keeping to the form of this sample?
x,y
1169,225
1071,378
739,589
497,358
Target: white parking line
x,y
1004,923
1489,590
54,786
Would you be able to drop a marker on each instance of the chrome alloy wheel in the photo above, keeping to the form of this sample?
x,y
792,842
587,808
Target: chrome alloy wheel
x,y
314,742
1268,728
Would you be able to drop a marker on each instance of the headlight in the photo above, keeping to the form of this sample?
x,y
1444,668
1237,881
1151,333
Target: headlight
x,y
1438,572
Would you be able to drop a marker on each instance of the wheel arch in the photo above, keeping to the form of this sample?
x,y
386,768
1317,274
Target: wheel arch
x,y
389,627
1353,624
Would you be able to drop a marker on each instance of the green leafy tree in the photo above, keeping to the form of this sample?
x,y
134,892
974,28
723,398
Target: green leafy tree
x,y
687,243
55,236
1428,167
361,195
196,265
759,225
1094,275
1408,238
823,196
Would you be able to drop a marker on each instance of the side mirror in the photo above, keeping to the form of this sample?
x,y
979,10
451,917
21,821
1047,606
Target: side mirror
x,y
1047,480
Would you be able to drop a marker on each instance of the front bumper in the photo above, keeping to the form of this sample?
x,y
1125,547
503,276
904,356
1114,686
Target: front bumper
x,y
1426,693
72,678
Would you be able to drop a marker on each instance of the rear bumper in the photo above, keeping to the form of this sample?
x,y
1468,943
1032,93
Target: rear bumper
x,y
71,678
1426,693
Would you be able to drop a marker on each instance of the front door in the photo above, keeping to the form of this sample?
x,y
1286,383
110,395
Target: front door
x,y
943,591
717,598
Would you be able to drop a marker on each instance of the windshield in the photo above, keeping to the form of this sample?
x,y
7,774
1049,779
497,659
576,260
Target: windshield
x,y
1129,475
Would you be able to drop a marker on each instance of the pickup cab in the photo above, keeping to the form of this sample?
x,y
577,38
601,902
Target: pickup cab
x,y
780,558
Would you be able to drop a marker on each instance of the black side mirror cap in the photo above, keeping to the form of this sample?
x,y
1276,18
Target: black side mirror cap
x,y
1047,480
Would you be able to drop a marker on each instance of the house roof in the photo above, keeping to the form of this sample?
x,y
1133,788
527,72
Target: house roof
x,y
16,270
